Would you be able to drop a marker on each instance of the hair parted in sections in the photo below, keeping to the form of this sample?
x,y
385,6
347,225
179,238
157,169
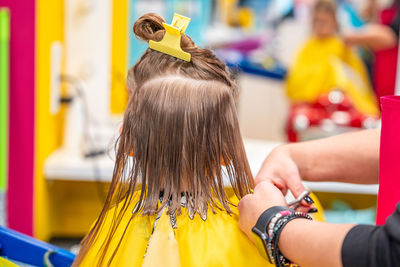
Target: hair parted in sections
x,y
182,127
204,64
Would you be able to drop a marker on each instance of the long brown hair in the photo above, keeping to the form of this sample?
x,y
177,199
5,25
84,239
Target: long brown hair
x,y
182,127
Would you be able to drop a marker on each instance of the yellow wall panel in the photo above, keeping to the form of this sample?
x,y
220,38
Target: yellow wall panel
x,y
49,28
56,214
119,61
75,206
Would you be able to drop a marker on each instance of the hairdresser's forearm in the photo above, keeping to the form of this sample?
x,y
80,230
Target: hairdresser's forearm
x,y
375,36
352,157
310,243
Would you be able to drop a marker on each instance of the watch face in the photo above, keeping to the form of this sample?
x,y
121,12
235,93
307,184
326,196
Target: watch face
x,y
260,242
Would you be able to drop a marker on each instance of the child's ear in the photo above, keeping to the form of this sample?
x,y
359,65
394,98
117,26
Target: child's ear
x,y
120,132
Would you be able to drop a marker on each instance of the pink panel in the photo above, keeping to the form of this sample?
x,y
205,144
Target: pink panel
x,y
22,115
389,171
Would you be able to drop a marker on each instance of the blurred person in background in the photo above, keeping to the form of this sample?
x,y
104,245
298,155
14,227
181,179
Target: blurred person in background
x,y
324,63
382,38
325,68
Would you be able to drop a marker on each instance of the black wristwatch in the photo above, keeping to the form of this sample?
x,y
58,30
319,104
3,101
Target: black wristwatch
x,y
260,235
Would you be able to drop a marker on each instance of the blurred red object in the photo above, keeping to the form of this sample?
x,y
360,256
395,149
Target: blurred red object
x,y
331,114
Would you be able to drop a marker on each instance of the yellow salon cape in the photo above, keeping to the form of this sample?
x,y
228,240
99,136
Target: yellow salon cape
x,y
217,241
326,64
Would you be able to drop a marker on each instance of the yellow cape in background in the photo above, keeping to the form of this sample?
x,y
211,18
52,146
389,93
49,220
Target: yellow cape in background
x,y
217,241
326,64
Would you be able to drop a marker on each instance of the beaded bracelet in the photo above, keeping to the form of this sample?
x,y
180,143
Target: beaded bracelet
x,y
271,222
279,258
270,231
277,228
265,220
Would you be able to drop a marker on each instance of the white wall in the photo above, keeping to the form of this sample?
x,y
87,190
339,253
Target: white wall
x,y
262,108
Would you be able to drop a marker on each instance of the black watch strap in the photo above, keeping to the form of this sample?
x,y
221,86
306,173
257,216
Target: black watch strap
x,y
260,235
266,217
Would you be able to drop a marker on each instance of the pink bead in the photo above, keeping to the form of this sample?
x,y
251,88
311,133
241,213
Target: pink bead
x,y
286,212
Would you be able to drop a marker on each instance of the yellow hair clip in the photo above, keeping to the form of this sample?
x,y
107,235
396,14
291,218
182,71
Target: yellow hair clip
x,y
171,42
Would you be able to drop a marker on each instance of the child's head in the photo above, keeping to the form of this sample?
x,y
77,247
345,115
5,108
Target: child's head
x,y
180,127
324,19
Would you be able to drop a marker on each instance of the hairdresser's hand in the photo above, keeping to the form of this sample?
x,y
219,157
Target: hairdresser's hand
x,y
251,206
280,169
